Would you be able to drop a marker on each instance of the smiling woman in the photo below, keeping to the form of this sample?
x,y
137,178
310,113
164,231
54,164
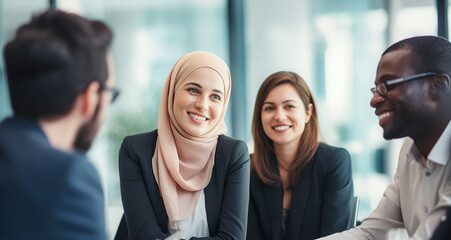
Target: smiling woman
x,y
300,188
187,178
284,116
199,101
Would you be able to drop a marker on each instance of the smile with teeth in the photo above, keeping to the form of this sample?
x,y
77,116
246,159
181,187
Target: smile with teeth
x,y
384,115
280,128
197,117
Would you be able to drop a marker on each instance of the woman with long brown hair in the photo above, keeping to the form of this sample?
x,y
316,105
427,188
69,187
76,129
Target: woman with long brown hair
x,y
301,188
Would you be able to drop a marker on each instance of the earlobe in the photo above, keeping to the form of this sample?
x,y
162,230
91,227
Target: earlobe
x,y
309,112
91,97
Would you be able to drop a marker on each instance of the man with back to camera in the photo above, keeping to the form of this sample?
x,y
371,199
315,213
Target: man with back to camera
x,y
60,85
412,98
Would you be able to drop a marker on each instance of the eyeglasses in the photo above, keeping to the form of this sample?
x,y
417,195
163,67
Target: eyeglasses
x,y
114,92
382,89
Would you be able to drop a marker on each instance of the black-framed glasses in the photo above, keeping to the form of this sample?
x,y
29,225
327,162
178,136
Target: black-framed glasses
x,y
382,89
114,92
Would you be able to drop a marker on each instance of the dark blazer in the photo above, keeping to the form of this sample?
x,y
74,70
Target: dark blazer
x,y
443,230
226,195
46,193
320,203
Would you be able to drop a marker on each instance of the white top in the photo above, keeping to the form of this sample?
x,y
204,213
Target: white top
x,y
417,198
195,225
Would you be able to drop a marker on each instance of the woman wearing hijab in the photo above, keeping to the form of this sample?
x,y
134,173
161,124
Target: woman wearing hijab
x,y
300,188
187,178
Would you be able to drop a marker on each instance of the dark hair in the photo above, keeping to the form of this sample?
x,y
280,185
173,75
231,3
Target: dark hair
x,y
429,53
262,159
52,59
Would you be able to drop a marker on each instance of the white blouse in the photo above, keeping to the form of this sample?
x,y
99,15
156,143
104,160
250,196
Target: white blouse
x,y
195,225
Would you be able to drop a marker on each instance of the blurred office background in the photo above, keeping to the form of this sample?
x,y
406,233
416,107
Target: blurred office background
x,y
333,45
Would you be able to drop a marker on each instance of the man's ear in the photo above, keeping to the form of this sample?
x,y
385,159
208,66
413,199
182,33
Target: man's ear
x,y
90,98
440,86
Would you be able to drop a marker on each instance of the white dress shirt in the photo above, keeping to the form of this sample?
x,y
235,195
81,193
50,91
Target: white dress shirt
x,y
195,225
418,197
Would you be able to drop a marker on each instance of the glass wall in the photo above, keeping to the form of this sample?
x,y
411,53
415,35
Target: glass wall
x,y
333,45
149,37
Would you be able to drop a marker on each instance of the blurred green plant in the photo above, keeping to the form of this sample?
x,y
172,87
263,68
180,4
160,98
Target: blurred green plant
x,y
127,123
137,114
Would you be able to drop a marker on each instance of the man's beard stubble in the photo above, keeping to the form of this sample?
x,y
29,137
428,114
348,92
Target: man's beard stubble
x,y
87,132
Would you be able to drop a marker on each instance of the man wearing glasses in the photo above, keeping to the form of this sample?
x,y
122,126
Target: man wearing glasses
x,y
412,99
61,84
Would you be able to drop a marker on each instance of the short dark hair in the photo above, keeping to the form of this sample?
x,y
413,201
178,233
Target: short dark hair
x,y
429,53
52,59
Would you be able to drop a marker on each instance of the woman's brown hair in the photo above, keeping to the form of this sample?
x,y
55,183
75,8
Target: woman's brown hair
x,y
262,161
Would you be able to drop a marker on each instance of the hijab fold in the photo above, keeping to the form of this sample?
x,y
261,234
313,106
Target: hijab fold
x,y
183,163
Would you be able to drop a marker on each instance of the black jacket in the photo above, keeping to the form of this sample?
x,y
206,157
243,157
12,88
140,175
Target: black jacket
x,y
226,195
321,202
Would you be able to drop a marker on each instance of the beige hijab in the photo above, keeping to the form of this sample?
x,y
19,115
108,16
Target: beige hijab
x,y
182,163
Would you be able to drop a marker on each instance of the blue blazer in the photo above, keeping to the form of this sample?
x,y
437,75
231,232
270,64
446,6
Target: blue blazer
x,y
321,202
46,193
226,195
443,230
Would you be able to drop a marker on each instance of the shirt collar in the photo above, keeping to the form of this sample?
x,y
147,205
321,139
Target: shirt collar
x,y
441,151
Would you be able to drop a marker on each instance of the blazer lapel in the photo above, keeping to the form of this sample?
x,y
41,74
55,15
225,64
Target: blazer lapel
x,y
299,198
274,204
211,193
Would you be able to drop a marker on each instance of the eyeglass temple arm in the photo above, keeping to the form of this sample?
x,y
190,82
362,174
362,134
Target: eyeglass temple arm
x,y
398,80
